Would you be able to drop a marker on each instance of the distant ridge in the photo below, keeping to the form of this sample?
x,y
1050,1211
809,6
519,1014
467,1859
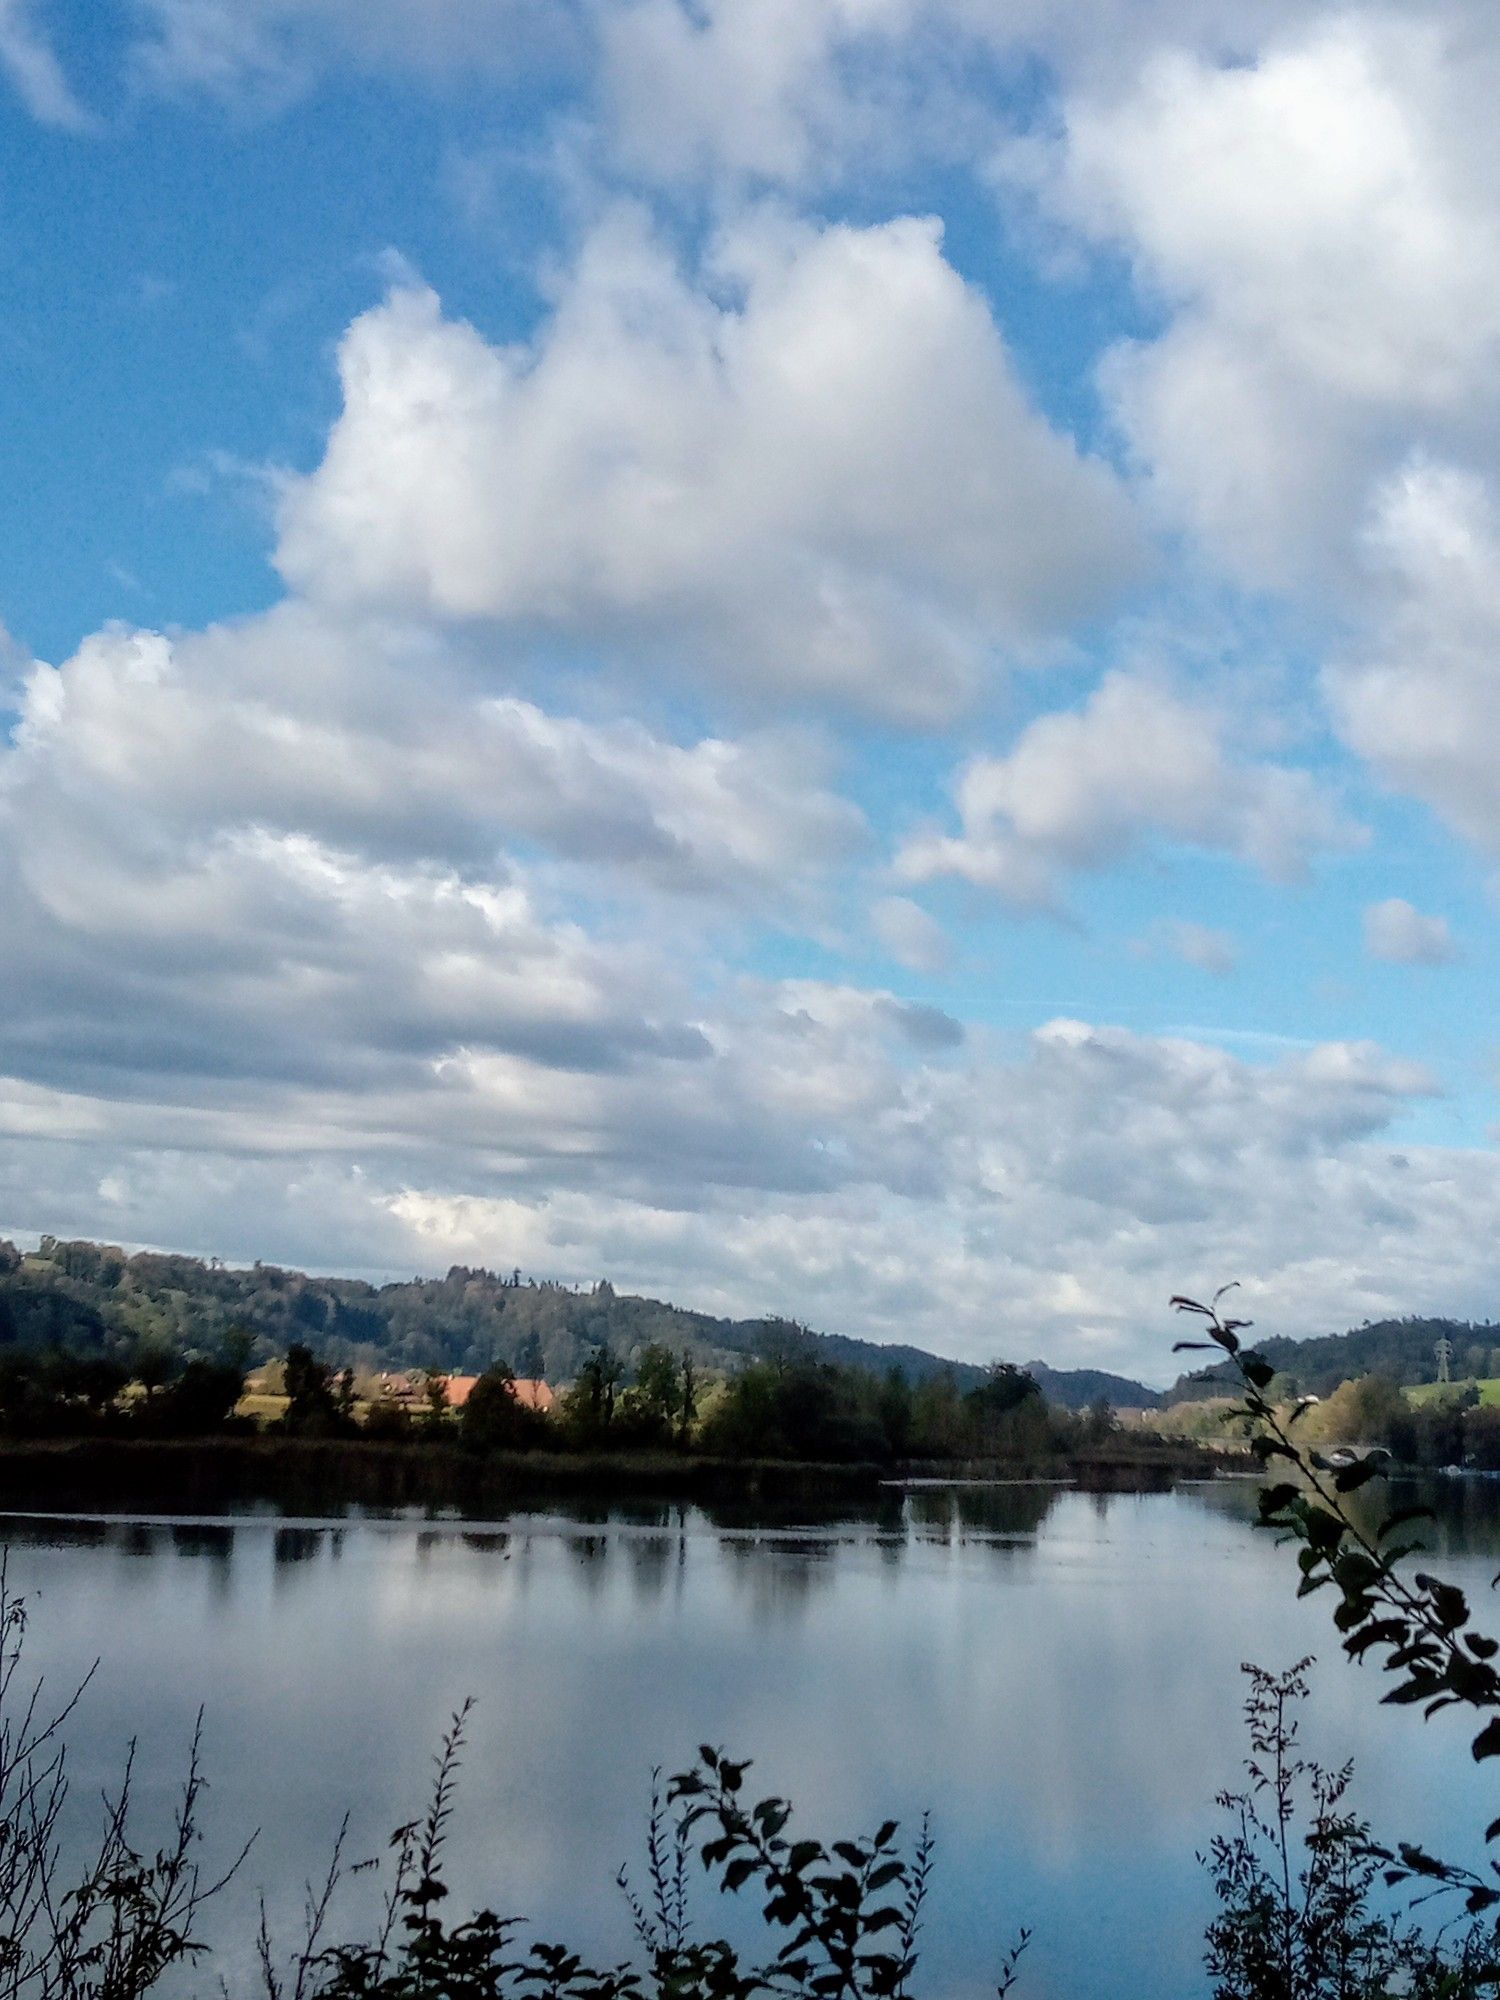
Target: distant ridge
x,y
1404,1350
94,1295
1076,1388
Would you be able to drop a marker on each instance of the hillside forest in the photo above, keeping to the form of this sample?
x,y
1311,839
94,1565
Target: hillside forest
x,y
94,1297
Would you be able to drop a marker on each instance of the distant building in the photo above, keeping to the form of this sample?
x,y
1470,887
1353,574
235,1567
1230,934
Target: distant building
x,y
409,1387
532,1393
529,1391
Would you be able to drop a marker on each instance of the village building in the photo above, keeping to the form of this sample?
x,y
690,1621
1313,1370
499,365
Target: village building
x,y
411,1389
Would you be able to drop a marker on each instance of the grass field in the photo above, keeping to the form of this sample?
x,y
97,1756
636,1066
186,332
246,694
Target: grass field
x,y
1488,1387
266,1408
262,1408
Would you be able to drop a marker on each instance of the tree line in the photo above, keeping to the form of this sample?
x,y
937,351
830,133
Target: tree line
x,y
794,1406
1450,1426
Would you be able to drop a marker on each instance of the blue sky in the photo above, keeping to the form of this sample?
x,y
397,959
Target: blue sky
x,y
834,658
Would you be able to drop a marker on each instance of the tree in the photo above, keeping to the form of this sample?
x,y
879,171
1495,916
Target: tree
x,y
312,1410
589,1406
152,1365
1008,1416
808,1410
531,1365
94,1380
492,1420
656,1396
784,1345
1481,1437
939,1423
200,1402
688,1406
1099,1423
1361,1412
897,1413
435,1395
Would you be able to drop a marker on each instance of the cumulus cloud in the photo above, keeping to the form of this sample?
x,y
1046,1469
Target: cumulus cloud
x,y
1322,222
260,880
1401,935
830,485
1417,693
806,92
791,92
752,89
1081,788
380,743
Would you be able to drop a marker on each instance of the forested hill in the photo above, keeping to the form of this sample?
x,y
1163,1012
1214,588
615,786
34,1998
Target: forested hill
x,y
1403,1350
1077,1388
92,1297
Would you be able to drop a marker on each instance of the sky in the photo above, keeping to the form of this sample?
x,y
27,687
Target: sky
x,y
831,657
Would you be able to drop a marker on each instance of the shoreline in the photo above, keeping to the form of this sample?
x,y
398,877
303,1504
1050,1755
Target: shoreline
x,y
116,1475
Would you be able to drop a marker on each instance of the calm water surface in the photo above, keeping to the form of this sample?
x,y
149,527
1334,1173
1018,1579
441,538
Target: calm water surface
x,y
1055,1675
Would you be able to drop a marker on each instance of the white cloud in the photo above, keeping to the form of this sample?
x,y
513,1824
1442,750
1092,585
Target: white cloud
x,y
378,742
792,92
831,485
912,936
256,881
1401,935
750,88
249,1013
1081,788
1418,693
267,52
806,92
1323,222
30,62
832,1161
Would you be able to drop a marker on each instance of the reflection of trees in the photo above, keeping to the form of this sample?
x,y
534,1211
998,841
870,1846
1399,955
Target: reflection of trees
x,y
60,1533
590,1553
653,1558
779,1573
296,1545
211,1542
1466,1510
493,1543
1010,1513
748,1512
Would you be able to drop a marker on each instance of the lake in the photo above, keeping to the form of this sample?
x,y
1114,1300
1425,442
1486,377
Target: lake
x,y
1053,1674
